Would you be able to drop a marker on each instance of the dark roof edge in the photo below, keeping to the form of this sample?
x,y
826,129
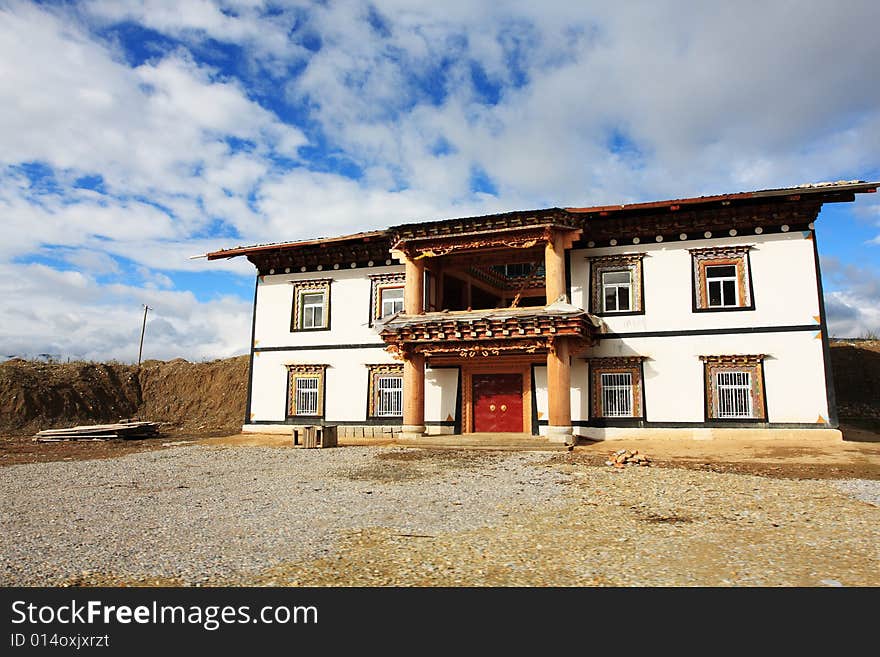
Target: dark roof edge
x,y
853,186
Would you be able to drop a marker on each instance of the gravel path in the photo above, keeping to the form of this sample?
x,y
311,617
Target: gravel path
x,y
377,516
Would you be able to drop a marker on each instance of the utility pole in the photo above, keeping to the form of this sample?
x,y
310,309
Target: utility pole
x,y
143,330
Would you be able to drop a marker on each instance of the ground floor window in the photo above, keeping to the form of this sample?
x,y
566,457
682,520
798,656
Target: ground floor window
x,y
616,387
617,394
735,387
306,390
389,393
734,396
385,391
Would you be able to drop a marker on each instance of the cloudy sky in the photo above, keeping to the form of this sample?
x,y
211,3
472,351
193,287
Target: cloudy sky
x,y
135,134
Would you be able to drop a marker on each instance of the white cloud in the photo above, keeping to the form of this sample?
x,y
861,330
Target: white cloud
x,y
68,314
853,309
593,103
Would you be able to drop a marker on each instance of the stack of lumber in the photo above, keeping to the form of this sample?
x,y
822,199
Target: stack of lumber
x,y
126,430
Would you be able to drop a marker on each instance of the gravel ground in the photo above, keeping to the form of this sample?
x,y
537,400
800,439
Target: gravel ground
x,y
379,516
198,514
866,490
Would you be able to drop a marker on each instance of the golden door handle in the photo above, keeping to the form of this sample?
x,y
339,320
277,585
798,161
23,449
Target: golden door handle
x,y
503,407
492,407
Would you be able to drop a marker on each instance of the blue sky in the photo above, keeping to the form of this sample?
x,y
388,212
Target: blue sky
x,y
135,134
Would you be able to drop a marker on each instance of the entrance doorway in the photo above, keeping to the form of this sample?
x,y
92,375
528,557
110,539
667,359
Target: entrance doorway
x,y
498,403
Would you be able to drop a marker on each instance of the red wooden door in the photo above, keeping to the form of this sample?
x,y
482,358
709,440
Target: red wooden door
x,y
498,402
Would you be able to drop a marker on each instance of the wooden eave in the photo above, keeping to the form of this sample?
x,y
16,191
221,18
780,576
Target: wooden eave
x,y
795,206
647,224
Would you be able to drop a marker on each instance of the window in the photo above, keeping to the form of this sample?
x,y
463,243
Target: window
x,y
312,310
721,285
306,390
311,305
307,395
616,291
722,278
386,295
734,387
617,394
389,391
734,394
385,391
616,284
392,300
616,387
515,270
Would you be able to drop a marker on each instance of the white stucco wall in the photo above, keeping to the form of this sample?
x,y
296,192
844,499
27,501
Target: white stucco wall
x,y
673,388
784,288
349,308
783,280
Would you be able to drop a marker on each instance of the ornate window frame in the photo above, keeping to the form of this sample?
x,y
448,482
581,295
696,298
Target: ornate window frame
x,y
375,372
312,286
633,365
378,282
631,262
737,256
299,371
754,365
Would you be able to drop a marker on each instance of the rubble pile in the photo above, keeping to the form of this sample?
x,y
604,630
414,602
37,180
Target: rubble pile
x,y
624,457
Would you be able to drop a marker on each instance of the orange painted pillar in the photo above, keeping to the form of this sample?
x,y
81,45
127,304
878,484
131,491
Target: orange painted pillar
x,y
554,267
559,393
414,364
413,396
414,287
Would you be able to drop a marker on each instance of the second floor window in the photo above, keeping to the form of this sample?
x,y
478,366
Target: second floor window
x,y
391,300
616,291
616,284
312,310
721,284
386,295
722,278
311,304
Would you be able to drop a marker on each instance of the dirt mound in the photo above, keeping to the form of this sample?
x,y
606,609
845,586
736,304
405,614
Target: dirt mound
x,y
192,397
856,365
36,396
197,397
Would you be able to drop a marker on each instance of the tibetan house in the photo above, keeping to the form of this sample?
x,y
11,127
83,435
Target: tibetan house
x,y
695,316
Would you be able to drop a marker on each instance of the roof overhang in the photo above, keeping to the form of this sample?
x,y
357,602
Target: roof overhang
x,y
830,192
795,206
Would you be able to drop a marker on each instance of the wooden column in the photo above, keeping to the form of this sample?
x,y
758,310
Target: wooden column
x,y
413,396
559,392
414,287
554,266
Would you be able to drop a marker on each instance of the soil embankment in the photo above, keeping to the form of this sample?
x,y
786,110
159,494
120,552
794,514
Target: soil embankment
x,y
188,397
